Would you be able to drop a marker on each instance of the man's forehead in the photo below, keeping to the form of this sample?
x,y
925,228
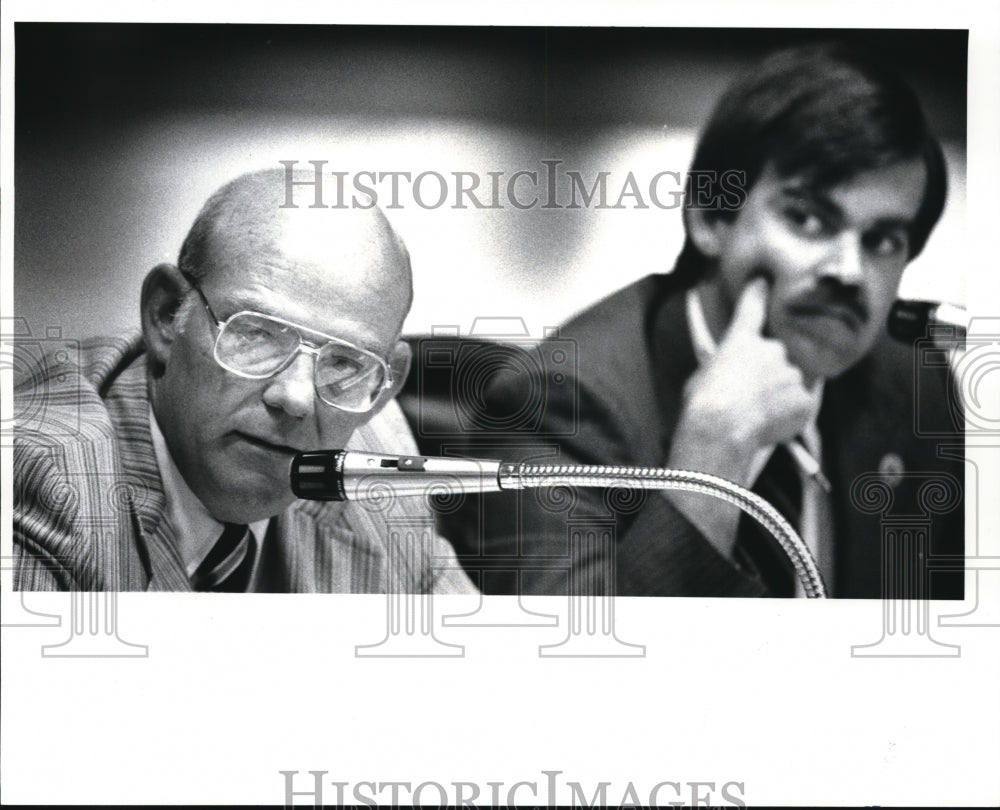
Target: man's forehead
x,y
295,266
366,308
361,238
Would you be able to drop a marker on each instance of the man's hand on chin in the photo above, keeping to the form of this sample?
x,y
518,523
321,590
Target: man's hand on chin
x,y
746,397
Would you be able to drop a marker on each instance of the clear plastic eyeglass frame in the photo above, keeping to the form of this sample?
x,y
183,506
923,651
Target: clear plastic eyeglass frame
x,y
304,346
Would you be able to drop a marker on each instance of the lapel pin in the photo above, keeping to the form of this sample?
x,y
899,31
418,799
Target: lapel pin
x,y
890,468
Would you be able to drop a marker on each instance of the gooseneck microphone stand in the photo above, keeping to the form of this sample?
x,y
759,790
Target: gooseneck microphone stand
x,y
339,475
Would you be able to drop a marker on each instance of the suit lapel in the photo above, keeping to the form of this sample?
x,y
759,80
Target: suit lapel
x,y
127,402
323,548
860,423
669,339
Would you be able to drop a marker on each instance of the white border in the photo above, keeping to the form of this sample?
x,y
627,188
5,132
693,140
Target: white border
x,y
762,692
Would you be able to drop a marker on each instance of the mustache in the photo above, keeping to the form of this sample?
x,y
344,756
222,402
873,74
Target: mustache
x,y
830,295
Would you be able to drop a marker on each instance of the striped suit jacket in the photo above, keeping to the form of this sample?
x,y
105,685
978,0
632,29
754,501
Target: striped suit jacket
x,y
89,507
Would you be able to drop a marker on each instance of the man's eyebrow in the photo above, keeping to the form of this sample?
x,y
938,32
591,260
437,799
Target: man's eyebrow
x,y
243,300
889,223
834,211
240,301
818,199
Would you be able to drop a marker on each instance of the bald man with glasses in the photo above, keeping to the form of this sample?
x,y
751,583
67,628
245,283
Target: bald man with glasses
x,y
160,461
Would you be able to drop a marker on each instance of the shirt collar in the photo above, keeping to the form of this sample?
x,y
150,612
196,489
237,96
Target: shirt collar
x,y
195,530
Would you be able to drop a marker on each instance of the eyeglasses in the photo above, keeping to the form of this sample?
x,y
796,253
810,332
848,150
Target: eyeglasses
x,y
257,346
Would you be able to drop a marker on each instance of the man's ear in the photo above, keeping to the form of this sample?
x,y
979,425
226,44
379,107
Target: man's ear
x,y
162,294
706,229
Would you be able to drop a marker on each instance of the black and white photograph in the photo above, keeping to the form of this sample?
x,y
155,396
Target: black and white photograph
x,y
546,408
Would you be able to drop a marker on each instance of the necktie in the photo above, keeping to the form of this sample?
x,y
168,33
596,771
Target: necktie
x,y
780,485
228,565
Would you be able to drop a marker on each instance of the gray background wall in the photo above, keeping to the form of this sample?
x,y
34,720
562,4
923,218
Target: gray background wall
x,y
123,130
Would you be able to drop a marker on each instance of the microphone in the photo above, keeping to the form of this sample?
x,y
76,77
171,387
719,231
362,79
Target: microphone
x,y
348,475
911,320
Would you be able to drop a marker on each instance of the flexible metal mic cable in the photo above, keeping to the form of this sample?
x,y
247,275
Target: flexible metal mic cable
x,y
527,475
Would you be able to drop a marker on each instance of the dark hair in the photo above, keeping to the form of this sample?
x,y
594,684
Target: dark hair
x,y
823,112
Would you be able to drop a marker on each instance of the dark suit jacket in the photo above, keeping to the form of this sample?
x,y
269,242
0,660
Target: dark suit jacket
x,y
89,508
633,357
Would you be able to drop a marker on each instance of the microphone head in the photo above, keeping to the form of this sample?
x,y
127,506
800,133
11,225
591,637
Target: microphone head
x,y
319,475
908,320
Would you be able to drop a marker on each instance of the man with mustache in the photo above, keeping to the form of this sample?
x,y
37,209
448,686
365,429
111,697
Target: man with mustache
x,y
277,331
763,357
